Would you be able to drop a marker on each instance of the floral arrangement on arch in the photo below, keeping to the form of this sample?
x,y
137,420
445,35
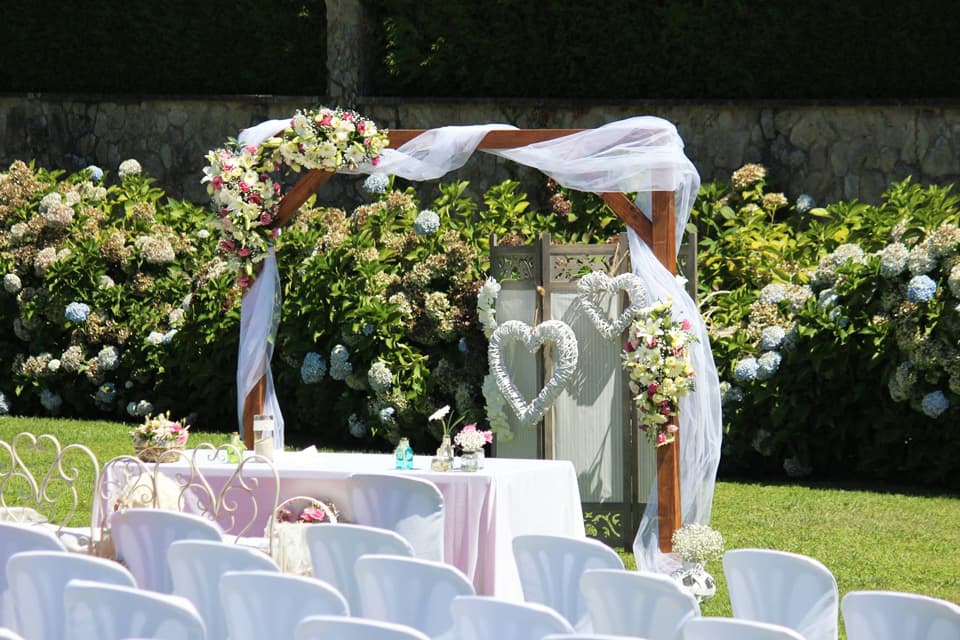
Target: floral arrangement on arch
x,y
471,439
160,431
657,360
244,183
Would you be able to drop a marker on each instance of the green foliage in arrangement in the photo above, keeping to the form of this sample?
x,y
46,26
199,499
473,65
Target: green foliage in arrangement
x,y
836,330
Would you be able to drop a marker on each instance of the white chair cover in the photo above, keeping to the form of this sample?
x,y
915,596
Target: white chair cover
x,y
587,636
334,549
267,604
9,634
114,612
894,615
342,628
734,629
412,507
550,568
410,591
784,588
637,603
196,567
15,538
486,618
38,578
142,537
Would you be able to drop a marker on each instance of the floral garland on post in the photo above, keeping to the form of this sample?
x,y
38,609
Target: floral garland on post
x,y
244,185
658,363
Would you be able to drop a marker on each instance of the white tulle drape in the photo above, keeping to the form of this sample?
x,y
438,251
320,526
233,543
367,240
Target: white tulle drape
x,y
640,155
259,319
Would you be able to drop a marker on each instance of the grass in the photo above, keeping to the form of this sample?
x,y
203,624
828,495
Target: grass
x,y
869,537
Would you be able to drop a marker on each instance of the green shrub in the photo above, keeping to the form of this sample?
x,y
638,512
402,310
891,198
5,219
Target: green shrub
x,y
835,330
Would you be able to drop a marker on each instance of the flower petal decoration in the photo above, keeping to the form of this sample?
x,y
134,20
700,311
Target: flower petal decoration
x,y
596,284
553,332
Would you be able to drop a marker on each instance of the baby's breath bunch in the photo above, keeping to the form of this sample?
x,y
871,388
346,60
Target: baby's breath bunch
x,y
697,543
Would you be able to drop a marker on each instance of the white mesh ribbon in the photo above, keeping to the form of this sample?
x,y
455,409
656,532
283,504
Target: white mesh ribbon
x,y
701,427
259,319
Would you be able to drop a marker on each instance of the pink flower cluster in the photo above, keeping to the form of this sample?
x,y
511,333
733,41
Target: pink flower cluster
x,y
472,439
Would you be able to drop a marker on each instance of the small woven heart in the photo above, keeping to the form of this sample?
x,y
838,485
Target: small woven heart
x,y
553,332
597,284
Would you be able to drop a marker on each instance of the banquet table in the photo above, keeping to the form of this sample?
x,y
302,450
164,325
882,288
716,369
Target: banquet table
x,y
484,510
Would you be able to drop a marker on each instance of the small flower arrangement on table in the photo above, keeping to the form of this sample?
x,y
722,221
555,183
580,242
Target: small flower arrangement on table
x,y
157,435
313,513
470,439
657,359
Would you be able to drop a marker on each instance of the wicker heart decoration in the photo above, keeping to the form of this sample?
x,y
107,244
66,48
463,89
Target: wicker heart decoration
x,y
596,284
565,363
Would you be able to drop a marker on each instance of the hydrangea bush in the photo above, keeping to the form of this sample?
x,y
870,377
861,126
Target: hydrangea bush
x,y
836,330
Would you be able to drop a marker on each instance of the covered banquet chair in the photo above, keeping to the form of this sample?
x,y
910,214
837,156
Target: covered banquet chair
x,y
890,615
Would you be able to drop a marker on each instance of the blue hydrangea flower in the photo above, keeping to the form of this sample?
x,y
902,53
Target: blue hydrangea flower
x,y
313,369
935,403
387,415
4,404
380,377
921,289
773,293
340,366
367,329
77,312
106,393
745,370
462,345
767,364
108,358
427,222
51,401
805,202
827,298
376,183
357,426
96,173
772,337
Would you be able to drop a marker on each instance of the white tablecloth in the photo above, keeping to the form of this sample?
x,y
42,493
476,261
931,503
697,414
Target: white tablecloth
x,y
484,509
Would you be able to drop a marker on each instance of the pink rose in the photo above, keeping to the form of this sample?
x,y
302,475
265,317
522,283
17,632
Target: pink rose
x,y
244,281
244,187
265,219
661,438
243,252
217,183
469,427
227,245
251,149
255,198
685,325
672,428
488,436
313,514
276,188
375,161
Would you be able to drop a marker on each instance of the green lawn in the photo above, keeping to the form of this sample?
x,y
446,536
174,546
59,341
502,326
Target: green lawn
x,y
869,537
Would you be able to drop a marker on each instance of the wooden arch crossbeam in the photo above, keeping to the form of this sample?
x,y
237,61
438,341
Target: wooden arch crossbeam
x,y
659,234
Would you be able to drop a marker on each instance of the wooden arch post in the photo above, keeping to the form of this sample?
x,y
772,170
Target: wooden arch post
x,y
658,234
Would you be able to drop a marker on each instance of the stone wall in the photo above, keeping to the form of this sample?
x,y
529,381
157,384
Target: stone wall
x,y
829,151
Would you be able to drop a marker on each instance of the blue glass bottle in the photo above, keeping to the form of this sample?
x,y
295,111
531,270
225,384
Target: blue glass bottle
x,y
401,454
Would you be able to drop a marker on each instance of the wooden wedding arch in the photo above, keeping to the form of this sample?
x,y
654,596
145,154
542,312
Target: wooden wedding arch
x,y
659,234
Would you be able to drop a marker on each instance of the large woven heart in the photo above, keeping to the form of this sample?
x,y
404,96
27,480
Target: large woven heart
x,y
596,285
552,332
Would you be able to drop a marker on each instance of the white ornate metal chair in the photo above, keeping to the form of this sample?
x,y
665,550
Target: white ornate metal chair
x,y
41,481
176,482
